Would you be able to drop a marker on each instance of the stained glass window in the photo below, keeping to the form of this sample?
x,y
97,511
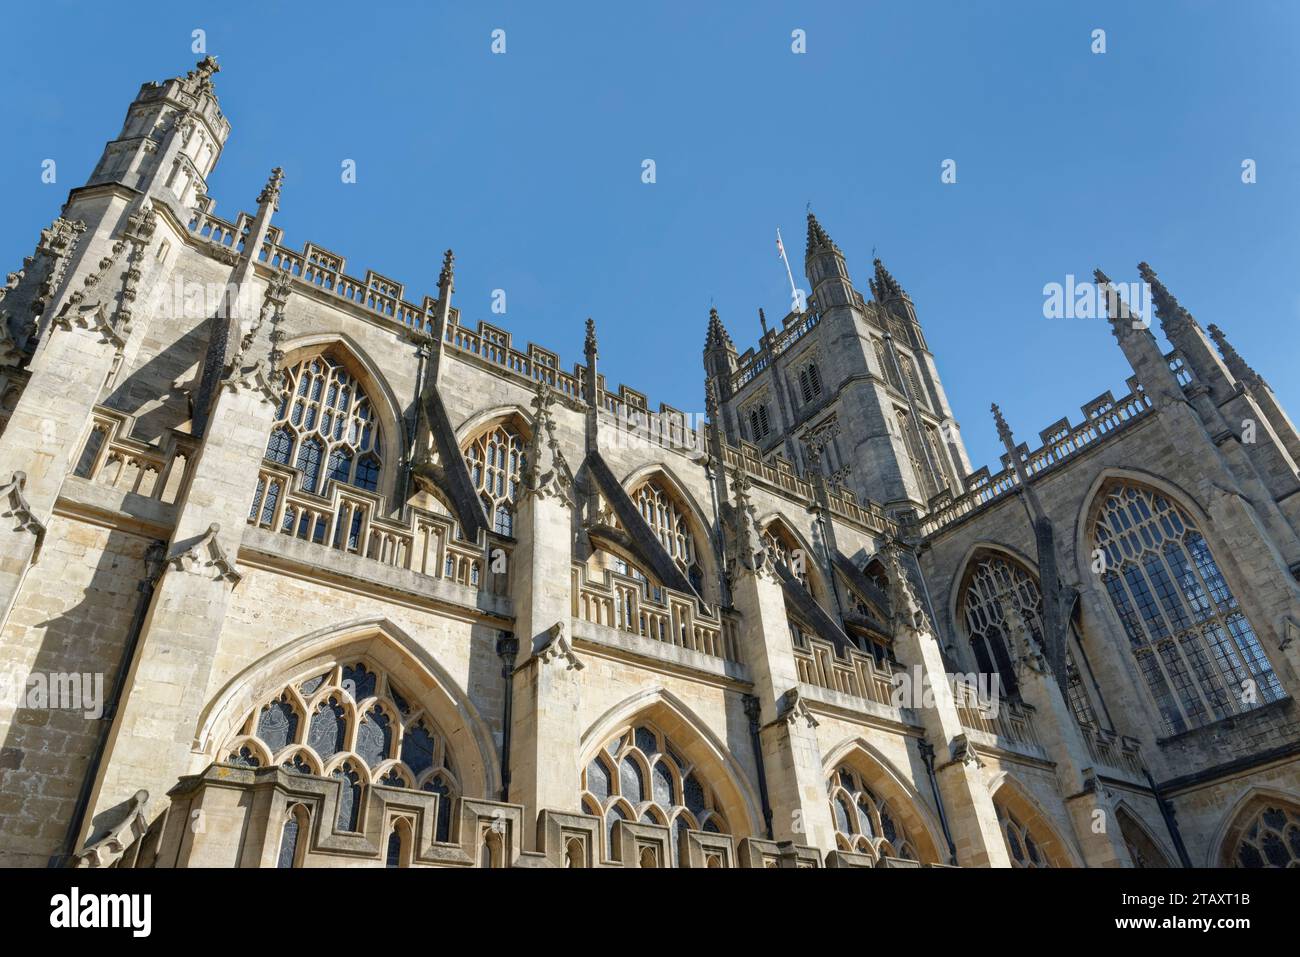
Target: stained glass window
x,y
1194,646
397,742
1271,838
614,786
864,822
497,459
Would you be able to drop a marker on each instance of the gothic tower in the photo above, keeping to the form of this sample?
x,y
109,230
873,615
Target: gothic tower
x,y
850,377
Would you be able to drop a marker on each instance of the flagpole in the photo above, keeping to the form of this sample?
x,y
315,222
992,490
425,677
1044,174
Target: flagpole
x,y
794,291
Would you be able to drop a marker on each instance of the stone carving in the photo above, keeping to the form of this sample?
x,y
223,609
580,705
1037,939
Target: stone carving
x,y
17,507
792,708
1025,649
547,473
114,326
554,645
907,610
206,557
128,829
962,752
265,374
745,547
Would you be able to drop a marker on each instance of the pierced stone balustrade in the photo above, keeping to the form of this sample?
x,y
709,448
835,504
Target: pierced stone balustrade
x,y
113,459
351,520
622,602
858,674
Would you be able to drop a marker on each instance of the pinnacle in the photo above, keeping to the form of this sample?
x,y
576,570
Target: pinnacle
x,y
817,237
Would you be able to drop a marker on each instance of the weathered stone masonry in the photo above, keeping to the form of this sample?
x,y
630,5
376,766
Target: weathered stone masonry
x,y
366,586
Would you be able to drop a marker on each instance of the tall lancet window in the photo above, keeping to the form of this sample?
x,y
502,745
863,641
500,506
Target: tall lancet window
x,y
326,429
991,583
497,459
1195,649
669,523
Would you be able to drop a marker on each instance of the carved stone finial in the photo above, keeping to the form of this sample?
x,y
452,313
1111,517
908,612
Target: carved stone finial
x,y
883,284
446,278
817,237
1173,317
546,473
589,343
1004,430
907,610
745,547
717,336
1235,363
271,191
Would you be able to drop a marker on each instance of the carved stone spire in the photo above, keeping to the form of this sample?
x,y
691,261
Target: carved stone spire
x,y
199,80
1173,317
447,276
270,193
589,349
817,237
718,337
1236,364
1004,430
884,285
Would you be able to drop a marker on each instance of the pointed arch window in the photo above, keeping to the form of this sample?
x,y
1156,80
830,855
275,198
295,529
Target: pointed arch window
x,y
991,582
669,522
325,425
639,775
497,459
1194,646
352,723
760,426
1269,838
1024,848
916,454
810,382
864,822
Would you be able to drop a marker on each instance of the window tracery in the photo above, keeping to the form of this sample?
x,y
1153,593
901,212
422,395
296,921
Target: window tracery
x,y
349,721
1194,646
1271,838
639,775
864,822
1023,847
671,526
497,459
326,427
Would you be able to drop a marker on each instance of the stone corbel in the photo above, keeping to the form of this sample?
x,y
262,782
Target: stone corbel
x,y
792,708
108,850
206,553
554,645
19,509
962,752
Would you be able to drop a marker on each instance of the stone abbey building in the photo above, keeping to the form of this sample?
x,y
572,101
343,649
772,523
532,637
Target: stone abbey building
x,y
313,573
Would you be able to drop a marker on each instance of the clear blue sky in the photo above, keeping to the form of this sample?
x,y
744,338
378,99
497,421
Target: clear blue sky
x,y
529,163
